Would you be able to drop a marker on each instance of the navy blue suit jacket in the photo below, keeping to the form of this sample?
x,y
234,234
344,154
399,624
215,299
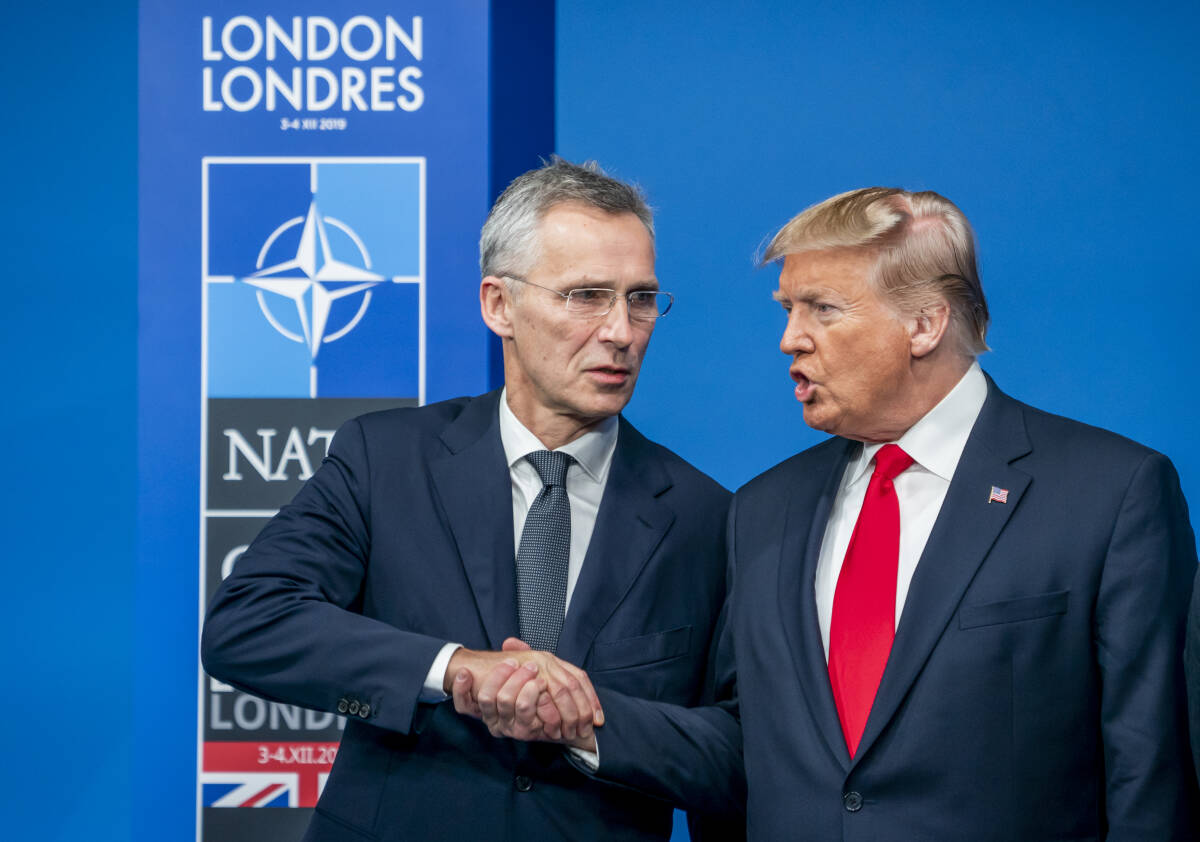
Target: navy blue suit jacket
x,y
403,540
1035,687
1192,670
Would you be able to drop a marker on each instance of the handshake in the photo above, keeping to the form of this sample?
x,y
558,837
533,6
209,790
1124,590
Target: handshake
x,y
525,694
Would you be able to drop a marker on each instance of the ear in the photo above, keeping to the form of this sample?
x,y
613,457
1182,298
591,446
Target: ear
x,y
495,305
927,329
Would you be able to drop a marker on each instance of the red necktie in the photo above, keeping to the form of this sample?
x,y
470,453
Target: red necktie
x,y
864,604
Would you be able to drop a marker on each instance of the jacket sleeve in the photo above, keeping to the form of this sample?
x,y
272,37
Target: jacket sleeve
x,y
1140,613
285,624
689,756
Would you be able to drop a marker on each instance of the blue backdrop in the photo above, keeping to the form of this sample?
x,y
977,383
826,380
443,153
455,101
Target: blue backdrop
x,y
67,331
1065,131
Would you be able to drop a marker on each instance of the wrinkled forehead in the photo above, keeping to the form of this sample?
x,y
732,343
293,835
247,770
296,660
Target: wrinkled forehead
x,y
576,241
828,266
580,206
580,216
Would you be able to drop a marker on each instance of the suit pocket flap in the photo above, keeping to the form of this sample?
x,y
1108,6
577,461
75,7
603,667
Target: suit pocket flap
x,y
643,649
1013,610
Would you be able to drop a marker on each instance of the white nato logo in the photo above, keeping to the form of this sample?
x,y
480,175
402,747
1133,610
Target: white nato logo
x,y
313,279
287,271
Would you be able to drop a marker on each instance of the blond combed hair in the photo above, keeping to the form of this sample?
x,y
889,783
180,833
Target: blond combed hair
x,y
924,247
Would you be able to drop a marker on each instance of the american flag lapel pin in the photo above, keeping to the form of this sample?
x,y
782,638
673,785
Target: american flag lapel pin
x,y
998,495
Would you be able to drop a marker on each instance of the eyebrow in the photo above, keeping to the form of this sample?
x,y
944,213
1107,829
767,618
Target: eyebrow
x,y
591,283
805,296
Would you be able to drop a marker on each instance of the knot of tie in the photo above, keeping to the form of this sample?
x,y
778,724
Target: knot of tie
x,y
551,466
890,462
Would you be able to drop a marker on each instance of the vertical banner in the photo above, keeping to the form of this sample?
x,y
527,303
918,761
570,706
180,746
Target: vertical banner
x,y
312,188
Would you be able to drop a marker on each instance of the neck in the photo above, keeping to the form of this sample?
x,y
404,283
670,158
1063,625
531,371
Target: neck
x,y
940,378
930,380
933,379
553,429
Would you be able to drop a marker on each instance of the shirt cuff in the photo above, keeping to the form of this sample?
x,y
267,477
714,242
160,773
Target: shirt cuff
x,y
432,692
590,759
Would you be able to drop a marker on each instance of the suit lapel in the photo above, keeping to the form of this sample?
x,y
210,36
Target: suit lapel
x,y
963,534
630,524
476,493
808,510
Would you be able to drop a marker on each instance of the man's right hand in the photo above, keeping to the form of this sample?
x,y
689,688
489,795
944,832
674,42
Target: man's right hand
x,y
525,694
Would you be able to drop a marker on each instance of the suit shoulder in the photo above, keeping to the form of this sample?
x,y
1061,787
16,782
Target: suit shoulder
x,y
682,472
813,463
421,420
1072,439
404,432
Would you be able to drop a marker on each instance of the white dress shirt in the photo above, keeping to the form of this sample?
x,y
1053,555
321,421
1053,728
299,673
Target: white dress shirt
x,y
586,477
935,443
593,452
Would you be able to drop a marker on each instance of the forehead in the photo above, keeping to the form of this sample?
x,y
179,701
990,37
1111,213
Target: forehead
x,y
580,238
847,271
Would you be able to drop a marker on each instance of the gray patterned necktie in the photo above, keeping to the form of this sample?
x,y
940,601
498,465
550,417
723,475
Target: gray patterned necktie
x,y
544,554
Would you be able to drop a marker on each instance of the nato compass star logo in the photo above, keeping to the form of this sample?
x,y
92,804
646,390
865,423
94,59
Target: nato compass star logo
x,y
311,261
312,280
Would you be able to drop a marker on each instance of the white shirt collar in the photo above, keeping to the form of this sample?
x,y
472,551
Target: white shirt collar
x,y
936,442
593,450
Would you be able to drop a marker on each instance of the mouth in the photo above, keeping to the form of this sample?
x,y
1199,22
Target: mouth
x,y
610,375
804,387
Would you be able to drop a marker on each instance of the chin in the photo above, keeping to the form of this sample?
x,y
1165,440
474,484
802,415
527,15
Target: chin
x,y
816,419
824,424
612,396
605,406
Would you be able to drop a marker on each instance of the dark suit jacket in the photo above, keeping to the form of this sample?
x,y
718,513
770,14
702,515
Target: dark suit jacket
x,y
1192,670
402,541
1035,687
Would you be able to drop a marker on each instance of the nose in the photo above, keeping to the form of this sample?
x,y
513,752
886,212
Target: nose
x,y
796,338
616,327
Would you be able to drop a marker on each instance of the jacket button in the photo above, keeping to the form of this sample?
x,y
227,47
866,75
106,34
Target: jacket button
x,y
354,708
523,783
852,801
364,710
343,705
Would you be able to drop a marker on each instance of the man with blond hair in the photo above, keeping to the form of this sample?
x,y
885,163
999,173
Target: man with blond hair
x,y
961,618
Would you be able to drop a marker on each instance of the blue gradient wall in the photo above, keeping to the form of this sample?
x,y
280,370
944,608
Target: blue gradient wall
x,y
1065,131
67,331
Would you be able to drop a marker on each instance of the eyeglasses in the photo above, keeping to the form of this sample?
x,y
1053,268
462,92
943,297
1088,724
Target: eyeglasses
x,y
644,305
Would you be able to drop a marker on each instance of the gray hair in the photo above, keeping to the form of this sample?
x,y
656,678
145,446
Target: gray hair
x,y
924,245
509,243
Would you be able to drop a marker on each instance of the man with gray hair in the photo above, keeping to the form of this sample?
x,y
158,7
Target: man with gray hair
x,y
527,552
961,617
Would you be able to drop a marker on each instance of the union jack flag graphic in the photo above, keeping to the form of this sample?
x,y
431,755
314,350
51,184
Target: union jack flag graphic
x,y
249,789
252,774
998,495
